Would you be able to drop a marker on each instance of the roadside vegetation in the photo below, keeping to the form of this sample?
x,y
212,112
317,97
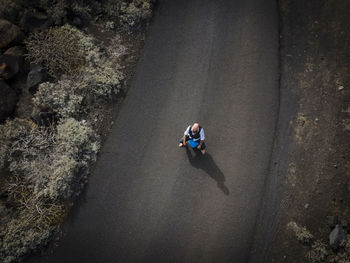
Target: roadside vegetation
x,y
51,136
337,251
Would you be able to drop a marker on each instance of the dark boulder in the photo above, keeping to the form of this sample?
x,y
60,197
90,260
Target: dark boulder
x,y
17,52
9,33
77,22
36,76
35,20
8,66
336,237
12,12
8,101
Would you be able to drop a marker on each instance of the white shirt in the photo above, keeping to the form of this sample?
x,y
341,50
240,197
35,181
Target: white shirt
x,y
201,133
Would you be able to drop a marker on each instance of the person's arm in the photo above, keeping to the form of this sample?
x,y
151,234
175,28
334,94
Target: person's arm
x,y
202,135
186,133
184,141
202,138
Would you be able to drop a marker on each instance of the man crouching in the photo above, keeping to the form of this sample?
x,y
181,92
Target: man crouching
x,y
195,133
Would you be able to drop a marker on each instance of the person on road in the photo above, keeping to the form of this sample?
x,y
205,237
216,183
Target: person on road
x,y
196,134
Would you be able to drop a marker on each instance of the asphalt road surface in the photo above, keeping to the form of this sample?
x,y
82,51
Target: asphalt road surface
x,y
210,61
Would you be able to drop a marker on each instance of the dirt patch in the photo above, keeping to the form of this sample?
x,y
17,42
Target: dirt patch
x,y
309,184
310,176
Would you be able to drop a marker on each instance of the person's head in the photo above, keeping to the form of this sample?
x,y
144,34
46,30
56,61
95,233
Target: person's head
x,y
195,127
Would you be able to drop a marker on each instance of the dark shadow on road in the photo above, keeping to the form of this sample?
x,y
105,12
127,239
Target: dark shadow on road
x,y
208,165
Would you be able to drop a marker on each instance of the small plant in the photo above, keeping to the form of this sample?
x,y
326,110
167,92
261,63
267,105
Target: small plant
x,y
59,48
135,12
302,234
318,252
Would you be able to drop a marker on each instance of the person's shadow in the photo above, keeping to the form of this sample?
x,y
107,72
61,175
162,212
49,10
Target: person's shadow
x,y
207,164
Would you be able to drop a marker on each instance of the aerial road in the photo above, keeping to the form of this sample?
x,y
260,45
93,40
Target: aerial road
x,y
209,61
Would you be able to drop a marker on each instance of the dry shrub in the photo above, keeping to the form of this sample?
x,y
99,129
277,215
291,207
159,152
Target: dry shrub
x,y
49,159
59,48
61,98
318,252
35,222
302,234
99,77
44,163
135,12
101,74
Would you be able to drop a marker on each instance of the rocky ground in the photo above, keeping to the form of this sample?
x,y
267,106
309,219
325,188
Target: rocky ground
x,y
309,194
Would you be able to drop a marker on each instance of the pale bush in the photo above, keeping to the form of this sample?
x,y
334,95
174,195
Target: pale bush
x,y
64,170
101,74
74,150
49,161
100,77
61,97
104,79
74,137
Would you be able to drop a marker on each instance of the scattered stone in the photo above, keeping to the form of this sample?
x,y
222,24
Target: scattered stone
x,y
8,100
9,33
340,87
336,236
17,52
306,206
36,76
